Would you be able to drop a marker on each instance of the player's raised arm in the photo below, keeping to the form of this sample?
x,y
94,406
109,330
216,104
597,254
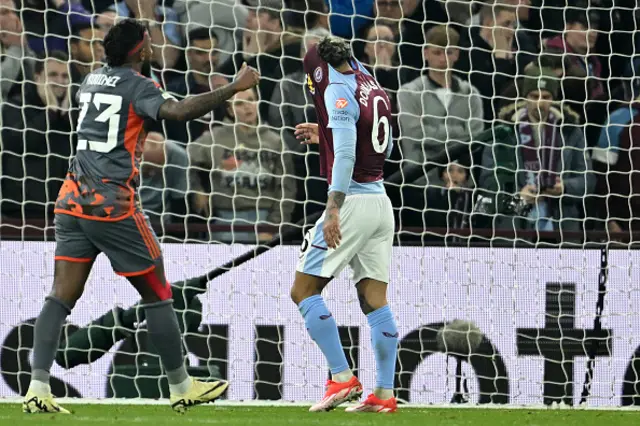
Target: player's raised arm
x,y
196,106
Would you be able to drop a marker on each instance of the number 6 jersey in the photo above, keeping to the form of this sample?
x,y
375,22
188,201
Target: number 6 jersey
x,y
104,175
352,100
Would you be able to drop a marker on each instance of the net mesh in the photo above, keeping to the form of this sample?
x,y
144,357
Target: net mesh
x,y
514,163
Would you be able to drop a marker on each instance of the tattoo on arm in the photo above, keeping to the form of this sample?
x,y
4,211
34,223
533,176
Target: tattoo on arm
x,y
335,202
196,106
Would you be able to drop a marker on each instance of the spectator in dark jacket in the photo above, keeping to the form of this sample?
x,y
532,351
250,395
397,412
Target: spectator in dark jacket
x,y
37,142
267,47
202,60
578,43
488,58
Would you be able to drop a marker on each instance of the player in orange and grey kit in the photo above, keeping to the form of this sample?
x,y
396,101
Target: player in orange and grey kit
x,y
98,210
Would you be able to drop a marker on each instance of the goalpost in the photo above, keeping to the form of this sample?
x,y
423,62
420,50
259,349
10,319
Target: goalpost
x,y
485,315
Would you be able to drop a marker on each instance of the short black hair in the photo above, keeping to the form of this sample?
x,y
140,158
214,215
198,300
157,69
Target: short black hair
x,y
38,67
122,37
200,34
334,50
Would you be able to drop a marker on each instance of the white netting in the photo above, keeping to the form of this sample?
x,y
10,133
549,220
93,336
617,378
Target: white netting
x,y
514,127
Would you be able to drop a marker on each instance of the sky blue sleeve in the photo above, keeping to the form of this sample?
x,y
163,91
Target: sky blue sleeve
x,y
610,134
343,113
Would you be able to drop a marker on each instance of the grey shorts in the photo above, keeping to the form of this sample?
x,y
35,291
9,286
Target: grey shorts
x,y
130,244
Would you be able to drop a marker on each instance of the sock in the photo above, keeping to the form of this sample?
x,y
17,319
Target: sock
x,y
384,337
180,388
39,388
323,330
164,334
46,337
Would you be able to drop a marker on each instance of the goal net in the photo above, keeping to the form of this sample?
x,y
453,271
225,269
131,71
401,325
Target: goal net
x,y
514,277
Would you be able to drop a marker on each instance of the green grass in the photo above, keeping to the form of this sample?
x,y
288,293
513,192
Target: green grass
x,y
158,415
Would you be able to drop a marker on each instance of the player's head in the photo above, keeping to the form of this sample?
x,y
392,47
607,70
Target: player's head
x,y
334,51
128,43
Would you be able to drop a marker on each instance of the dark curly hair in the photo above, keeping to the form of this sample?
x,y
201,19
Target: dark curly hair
x,y
334,51
122,37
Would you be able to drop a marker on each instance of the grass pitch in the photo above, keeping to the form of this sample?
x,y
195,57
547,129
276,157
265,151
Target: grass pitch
x,y
158,415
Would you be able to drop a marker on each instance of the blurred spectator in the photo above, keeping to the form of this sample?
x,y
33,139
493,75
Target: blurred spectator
x,y
526,42
571,77
163,28
438,110
553,169
17,59
167,185
251,180
267,47
202,60
615,161
48,23
451,204
222,17
37,141
87,54
291,104
488,59
418,17
578,43
380,57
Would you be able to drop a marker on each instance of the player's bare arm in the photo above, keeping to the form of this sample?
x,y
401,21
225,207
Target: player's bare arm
x,y
332,235
196,106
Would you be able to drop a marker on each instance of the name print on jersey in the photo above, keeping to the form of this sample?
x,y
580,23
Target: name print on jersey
x,y
102,80
365,90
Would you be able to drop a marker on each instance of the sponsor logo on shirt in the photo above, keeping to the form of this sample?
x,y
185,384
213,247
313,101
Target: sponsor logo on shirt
x,y
341,103
310,85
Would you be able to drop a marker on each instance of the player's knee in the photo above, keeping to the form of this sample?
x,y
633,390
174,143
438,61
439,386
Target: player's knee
x,y
299,292
372,296
66,294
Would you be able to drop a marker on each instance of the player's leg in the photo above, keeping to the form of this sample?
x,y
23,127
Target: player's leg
x,y
74,258
371,273
316,267
140,261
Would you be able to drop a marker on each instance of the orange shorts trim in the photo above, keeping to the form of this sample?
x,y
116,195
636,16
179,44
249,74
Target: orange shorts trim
x,y
135,274
147,237
74,259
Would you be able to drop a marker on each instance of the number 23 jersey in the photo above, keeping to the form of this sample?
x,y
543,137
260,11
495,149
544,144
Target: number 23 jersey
x,y
104,176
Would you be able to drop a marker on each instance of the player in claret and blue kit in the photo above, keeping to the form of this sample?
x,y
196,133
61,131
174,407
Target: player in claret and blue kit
x,y
98,210
357,227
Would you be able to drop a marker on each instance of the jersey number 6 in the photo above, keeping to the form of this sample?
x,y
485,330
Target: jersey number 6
x,y
379,145
110,115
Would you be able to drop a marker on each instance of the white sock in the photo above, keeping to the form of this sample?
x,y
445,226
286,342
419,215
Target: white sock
x,y
182,387
383,394
343,376
39,388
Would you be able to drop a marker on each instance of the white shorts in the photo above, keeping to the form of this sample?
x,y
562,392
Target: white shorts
x,y
367,227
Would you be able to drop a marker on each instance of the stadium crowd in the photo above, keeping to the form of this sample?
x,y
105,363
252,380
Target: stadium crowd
x,y
561,82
